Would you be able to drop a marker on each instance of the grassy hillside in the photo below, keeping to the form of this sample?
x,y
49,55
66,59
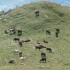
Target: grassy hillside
x,y
51,16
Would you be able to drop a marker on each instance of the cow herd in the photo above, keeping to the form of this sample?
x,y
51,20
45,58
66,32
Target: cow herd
x,y
56,32
13,31
37,47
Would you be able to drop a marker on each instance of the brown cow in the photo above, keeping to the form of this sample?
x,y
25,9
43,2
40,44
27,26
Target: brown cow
x,y
39,47
27,40
20,43
45,41
6,31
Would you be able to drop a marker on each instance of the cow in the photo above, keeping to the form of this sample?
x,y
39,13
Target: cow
x,y
27,40
12,31
39,47
48,32
43,57
16,39
22,59
36,13
12,61
45,41
19,32
16,51
6,31
49,49
20,54
20,43
57,32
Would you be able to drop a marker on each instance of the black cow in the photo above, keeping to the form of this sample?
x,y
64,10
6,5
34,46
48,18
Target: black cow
x,y
43,59
43,55
16,39
48,32
11,61
57,32
37,13
39,47
49,49
19,32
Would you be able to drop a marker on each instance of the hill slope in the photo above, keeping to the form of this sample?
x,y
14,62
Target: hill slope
x,y
51,16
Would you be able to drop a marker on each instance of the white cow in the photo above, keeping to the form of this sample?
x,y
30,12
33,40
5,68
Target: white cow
x,y
16,51
22,59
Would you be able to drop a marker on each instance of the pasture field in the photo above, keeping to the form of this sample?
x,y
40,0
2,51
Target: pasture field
x,y
34,28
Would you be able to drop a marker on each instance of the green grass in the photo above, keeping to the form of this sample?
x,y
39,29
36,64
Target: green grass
x,y
34,28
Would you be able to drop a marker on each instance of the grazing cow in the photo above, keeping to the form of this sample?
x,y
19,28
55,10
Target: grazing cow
x,y
37,13
48,32
20,43
6,32
16,51
57,32
16,39
20,54
22,59
39,47
43,59
45,41
42,46
43,55
12,31
49,49
12,61
27,40
19,32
